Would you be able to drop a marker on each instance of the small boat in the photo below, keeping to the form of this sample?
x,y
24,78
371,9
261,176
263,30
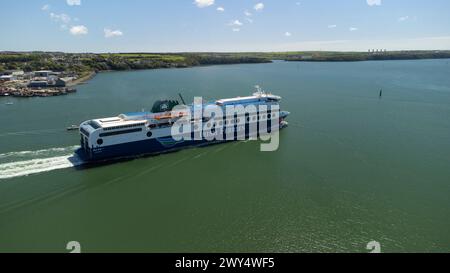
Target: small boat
x,y
73,128
9,103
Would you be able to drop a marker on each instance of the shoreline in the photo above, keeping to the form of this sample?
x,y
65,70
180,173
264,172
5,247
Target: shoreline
x,y
91,75
86,77
83,79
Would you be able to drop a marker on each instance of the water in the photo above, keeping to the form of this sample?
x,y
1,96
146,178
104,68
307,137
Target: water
x,y
351,167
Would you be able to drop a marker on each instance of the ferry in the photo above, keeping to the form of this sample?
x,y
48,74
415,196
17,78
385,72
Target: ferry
x,y
150,133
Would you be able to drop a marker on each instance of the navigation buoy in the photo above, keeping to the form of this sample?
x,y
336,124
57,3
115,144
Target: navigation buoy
x,y
381,93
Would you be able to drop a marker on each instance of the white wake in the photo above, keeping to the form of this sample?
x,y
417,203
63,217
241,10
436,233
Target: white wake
x,y
50,159
38,153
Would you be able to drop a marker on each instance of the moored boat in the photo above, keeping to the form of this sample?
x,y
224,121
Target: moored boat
x,y
73,128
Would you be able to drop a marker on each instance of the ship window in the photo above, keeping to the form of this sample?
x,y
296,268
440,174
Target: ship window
x,y
84,132
149,134
124,126
269,116
254,118
99,141
94,124
121,132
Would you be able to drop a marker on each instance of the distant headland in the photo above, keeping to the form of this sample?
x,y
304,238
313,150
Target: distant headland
x,y
82,62
22,73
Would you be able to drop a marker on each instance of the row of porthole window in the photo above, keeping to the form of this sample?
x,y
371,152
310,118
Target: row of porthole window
x,y
123,127
236,121
100,141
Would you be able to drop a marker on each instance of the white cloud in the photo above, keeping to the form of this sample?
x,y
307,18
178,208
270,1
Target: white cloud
x,y
288,34
374,2
60,17
353,29
45,7
402,19
259,7
236,23
79,30
73,2
221,9
249,20
112,33
236,29
204,3
248,14
332,26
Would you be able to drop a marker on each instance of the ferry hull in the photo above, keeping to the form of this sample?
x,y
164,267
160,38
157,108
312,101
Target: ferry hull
x,y
142,148
135,149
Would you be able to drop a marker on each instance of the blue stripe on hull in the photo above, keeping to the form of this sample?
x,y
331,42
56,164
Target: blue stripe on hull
x,y
137,148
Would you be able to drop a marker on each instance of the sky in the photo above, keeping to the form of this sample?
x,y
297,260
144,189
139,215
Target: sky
x,y
223,25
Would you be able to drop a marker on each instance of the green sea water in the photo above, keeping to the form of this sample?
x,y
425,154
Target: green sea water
x,y
351,167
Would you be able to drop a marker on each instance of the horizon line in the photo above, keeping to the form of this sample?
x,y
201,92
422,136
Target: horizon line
x,y
220,52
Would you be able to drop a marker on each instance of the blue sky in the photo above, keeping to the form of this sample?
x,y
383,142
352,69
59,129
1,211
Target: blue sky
x,y
223,25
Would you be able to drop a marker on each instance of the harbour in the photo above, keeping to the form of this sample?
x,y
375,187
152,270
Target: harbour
x,y
44,83
351,167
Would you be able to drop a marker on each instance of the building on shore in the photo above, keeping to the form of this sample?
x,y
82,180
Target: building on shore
x,y
52,82
12,75
59,82
7,78
44,73
18,73
38,84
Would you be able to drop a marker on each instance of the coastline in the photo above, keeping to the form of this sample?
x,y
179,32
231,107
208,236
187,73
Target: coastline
x,y
332,57
83,79
87,77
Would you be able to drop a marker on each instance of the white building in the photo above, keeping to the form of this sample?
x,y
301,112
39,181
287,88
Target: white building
x,y
7,78
18,73
44,73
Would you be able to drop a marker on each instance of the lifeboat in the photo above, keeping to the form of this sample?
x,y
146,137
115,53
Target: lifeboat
x,y
169,115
